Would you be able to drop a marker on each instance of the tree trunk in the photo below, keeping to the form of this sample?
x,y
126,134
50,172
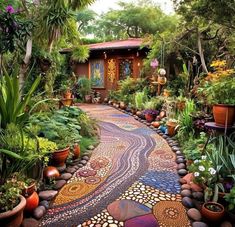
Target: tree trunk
x,y
201,54
24,66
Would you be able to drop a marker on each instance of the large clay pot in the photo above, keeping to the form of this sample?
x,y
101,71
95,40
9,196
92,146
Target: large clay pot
x,y
13,218
32,202
212,215
59,157
224,115
76,151
29,190
171,128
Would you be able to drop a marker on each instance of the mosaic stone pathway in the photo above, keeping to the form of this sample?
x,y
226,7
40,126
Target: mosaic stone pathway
x,y
130,180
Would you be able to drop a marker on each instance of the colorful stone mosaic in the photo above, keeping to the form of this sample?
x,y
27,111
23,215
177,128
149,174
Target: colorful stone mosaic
x,y
171,214
130,176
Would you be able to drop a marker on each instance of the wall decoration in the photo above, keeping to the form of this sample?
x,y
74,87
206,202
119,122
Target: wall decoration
x,y
97,73
112,68
125,68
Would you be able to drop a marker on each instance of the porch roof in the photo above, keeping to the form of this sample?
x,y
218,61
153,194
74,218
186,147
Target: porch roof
x,y
131,43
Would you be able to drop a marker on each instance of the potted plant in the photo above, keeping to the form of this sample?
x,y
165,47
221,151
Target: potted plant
x,y
150,115
84,89
171,126
66,89
218,88
212,211
12,204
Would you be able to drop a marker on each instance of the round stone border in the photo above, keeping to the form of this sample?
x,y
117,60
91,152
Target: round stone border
x,y
46,196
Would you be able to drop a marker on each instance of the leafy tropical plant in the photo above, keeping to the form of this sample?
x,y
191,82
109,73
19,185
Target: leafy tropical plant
x,y
140,98
19,151
84,86
186,120
80,54
12,106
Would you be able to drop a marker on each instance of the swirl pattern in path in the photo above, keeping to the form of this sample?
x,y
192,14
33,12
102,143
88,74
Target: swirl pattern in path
x,y
128,165
130,177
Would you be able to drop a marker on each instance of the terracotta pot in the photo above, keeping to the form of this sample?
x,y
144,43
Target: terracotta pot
x,y
212,215
76,151
66,102
149,117
59,157
224,115
29,190
32,202
88,98
67,94
51,172
171,126
13,218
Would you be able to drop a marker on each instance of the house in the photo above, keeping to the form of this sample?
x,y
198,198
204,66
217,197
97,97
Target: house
x,y
110,62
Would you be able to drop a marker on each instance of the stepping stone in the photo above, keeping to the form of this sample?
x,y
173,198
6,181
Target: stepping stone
x,y
47,195
39,212
198,195
185,193
182,172
187,202
86,158
181,166
44,203
194,214
185,186
123,210
180,160
70,170
199,224
83,162
30,222
142,221
59,184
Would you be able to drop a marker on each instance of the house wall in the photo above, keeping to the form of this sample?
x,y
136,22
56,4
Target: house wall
x,y
117,55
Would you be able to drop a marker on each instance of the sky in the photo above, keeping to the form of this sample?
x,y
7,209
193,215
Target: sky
x,y
103,5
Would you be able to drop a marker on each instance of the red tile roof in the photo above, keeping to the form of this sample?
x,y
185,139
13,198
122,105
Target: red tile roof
x,y
120,44
117,44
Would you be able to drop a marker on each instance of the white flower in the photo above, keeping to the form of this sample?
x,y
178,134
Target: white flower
x,y
196,161
203,157
196,174
212,171
201,168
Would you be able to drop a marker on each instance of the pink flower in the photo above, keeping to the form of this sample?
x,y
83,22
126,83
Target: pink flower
x,y
154,63
10,9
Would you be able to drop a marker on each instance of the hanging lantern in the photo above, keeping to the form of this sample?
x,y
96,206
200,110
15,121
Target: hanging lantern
x,y
162,72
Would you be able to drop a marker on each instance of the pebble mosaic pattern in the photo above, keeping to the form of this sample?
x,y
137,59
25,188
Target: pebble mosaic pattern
x,y
132,167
